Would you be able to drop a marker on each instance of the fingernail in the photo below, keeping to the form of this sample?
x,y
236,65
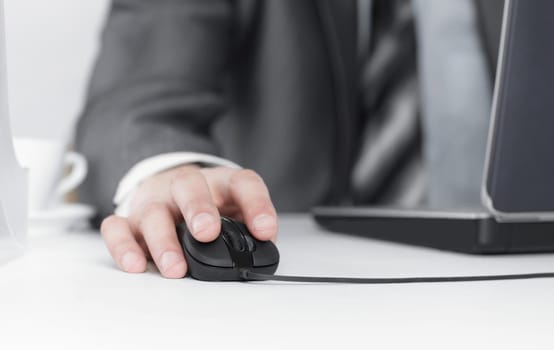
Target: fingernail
x,y
129,261
264,223
202,222
169,260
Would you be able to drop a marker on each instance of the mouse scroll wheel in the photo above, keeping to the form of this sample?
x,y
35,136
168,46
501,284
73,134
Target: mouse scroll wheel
x,y
250,243
234,240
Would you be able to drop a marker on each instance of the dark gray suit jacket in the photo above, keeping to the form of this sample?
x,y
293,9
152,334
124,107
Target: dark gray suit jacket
x,y
271,85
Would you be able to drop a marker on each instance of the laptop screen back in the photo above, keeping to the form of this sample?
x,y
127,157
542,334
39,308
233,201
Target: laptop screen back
x,y
520,168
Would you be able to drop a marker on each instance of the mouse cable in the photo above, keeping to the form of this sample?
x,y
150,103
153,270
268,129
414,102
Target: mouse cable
x,y
248,275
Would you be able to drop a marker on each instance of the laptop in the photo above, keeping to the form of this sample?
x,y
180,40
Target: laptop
x,y
518,184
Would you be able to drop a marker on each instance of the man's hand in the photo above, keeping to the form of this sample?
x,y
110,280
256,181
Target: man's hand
x,y
197,195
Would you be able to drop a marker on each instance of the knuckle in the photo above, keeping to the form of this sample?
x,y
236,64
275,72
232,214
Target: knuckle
x,y
245,175
109,222
120,249
259,204
184,175
217,170
194,207
151,211
190,191
188,184
258,207
155,208
218,202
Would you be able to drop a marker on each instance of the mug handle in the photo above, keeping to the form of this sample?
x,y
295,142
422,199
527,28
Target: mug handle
x,y
79,169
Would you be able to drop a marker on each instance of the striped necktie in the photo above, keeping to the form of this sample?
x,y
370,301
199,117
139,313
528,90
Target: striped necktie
x,y
388,169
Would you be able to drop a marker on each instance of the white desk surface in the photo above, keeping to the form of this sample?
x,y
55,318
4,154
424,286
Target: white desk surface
x,y
65,292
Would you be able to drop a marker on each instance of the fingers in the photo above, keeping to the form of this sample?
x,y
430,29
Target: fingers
x,y
192,195
122,245
157,225
250,193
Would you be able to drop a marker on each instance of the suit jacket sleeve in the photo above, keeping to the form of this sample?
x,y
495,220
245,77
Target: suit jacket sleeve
x,y
156,87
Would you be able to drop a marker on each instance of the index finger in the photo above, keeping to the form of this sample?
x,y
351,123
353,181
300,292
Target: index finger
x,y
250,193
192,195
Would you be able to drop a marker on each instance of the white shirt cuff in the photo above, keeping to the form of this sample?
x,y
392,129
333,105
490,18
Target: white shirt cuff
x,y
157,164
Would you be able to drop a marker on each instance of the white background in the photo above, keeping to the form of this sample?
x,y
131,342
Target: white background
x,y
51,47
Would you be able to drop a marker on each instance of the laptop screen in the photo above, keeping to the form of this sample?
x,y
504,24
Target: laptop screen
x,y
520,167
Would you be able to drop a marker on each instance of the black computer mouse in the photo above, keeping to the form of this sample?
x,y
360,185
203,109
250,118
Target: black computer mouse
x,y
223,259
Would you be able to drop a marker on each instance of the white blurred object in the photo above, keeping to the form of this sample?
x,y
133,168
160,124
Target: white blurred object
x,y
46,159
51,48
13,179
62,218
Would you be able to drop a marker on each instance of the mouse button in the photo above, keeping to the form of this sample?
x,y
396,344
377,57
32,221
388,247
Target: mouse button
x,y
227,224
233,235
233,239
249,240
213,253
250,243
266,254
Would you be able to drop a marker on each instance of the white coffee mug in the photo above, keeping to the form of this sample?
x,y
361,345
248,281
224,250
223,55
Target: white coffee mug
x,y
46,161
